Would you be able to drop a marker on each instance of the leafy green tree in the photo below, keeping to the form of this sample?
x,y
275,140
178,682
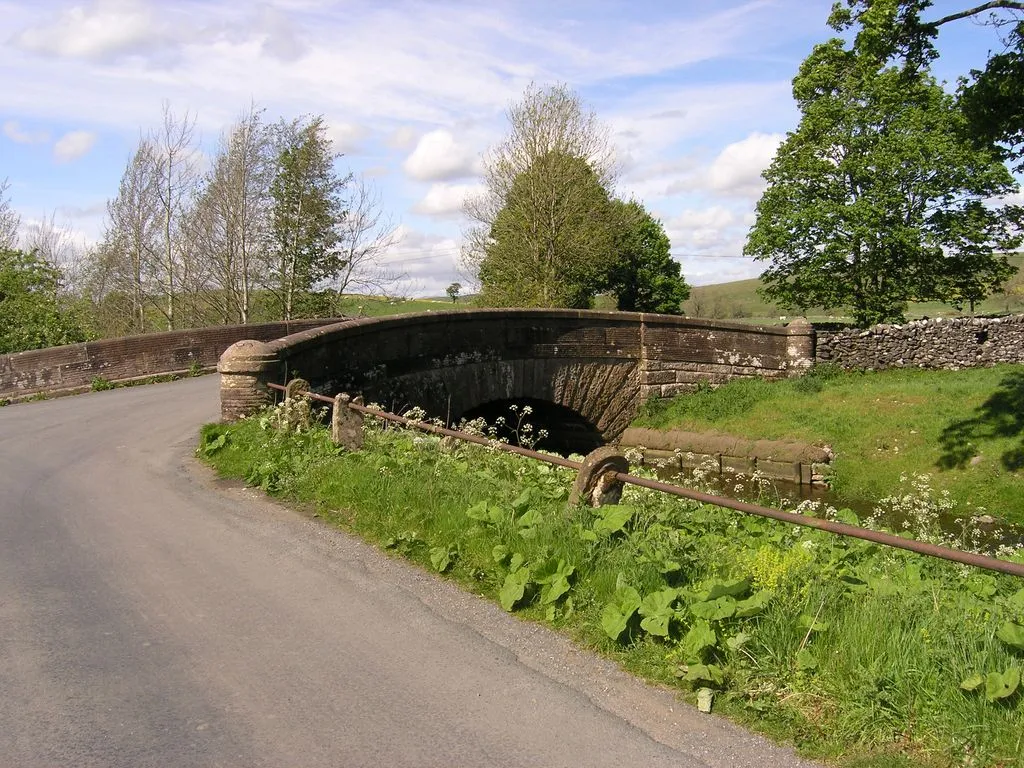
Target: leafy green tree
x,y
643,276
306,212
904,31
552,243
540,236
33,314
879,198
453,291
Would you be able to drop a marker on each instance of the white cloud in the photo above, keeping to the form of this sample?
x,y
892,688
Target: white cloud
x,y
73,145
402,138
438,157
346,136
446,199
13,131
93,31
737,169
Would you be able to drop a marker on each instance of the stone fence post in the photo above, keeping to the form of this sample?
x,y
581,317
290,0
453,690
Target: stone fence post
x,y
245,368
800,345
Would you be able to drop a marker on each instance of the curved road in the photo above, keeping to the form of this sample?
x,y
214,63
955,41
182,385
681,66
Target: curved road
x,y
150,616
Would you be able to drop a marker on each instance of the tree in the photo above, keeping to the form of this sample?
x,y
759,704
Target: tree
x,y
10,221
453,291
306,212
230,219
644,277
125,270
992,98
32,313
879,197
365,235
174,165
541,234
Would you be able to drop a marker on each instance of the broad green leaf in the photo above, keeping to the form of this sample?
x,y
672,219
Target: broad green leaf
x,y
1012,634
517,562
616,615
847,516
612,519
522,502
884,586
805,660
727,588
973,683
737,641
514,588
441,558
554,590
699,637
1016,601
753,605
530,518
500,554
715,610
704,673
1001,685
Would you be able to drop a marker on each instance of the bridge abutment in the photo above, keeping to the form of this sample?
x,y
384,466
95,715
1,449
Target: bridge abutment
x,y
245,368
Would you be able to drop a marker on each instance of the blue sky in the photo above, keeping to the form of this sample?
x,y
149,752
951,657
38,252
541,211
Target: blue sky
x,y
696,95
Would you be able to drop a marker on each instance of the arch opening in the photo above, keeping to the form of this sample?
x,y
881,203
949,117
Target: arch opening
x,y
520,420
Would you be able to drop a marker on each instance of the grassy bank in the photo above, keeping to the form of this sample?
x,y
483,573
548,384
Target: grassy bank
x,y
855,654
964,428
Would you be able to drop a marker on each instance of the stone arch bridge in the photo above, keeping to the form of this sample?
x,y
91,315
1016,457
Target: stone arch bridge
x,y
600,366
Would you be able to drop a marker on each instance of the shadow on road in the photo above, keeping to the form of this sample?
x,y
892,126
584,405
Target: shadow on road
x,y
1002,415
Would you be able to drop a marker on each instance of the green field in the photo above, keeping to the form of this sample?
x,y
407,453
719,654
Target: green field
x,y
740,301
965,429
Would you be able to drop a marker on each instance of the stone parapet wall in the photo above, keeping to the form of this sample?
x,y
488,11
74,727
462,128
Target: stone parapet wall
x,y
959,342
793,462
74,367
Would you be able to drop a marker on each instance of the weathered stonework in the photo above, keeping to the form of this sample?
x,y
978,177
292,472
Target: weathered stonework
x,y
723,454
960,342
346,424
246,367
73,367
596,483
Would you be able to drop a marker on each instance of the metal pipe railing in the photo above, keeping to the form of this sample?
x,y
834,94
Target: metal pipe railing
x,y
840,529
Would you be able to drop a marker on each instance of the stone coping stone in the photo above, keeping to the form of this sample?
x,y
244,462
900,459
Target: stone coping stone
x,y
727,445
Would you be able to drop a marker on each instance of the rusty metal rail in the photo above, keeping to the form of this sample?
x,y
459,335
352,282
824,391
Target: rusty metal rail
x,y
840,529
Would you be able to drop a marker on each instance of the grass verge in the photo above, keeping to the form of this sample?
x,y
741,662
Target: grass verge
x,y
856,654
965,428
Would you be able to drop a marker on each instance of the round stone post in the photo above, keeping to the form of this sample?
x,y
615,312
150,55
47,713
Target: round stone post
x,y
596,484
800,345
245,368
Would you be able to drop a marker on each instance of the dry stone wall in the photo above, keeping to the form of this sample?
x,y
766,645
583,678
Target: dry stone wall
x,y
960,342
73,367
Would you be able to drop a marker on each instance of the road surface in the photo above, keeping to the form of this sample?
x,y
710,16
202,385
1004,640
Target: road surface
x,y
151,616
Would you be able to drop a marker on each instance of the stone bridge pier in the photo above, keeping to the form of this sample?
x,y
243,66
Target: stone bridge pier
x,y
599,365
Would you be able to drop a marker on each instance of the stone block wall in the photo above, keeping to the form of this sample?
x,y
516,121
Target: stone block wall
x,y
959,342
73,367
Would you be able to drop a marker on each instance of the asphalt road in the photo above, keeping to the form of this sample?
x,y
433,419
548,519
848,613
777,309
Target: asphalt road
x,y
151,616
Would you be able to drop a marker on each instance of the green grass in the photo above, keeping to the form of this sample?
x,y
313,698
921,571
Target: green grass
x,y
965,428
740,301
853,653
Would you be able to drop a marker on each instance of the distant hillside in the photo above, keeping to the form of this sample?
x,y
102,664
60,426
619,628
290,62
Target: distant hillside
x,y
739,300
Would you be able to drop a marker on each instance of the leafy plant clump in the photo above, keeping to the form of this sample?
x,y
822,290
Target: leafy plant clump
x,y
852,651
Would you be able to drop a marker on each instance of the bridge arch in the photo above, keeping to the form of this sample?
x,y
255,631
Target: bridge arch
x,y
600,365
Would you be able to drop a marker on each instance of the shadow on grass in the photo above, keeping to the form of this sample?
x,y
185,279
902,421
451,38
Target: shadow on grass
x,y
1002,415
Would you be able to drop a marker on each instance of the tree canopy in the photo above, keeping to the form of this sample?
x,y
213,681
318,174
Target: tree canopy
x,y
33,314
643,276
880,196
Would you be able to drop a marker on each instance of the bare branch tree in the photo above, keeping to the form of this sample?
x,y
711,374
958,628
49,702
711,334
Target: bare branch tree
x,y
231,215
176,171
10,221
365,236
